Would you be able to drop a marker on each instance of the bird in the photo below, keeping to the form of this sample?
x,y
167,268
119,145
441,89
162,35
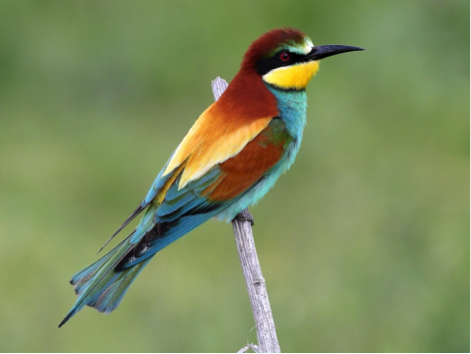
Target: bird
x,y
232,155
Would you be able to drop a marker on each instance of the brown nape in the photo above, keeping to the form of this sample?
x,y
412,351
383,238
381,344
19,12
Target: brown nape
x,y
268,42
246,98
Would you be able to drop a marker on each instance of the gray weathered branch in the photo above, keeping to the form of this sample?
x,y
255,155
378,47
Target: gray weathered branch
x,y
242,226
249,346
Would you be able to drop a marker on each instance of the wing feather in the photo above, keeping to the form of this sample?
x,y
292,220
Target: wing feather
x,y
214,138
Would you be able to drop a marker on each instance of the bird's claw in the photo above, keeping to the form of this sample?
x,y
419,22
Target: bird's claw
x,y
244,215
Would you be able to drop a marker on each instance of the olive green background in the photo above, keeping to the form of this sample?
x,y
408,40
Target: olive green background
x,y
364,244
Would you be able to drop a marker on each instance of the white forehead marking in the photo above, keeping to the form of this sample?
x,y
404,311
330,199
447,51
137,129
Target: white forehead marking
x,y
300,48
307,45
305,48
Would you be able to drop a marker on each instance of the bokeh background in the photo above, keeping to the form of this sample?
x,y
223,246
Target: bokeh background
x,y
364,243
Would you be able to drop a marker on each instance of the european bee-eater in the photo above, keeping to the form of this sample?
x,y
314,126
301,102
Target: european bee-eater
x,y
230,158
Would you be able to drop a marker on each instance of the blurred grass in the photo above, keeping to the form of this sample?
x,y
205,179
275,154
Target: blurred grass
x,y
364,244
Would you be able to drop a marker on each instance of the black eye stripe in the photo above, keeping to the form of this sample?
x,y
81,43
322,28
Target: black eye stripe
x,y
265,65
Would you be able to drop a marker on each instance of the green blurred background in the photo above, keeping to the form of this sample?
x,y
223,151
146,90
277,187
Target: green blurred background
x,y
364,243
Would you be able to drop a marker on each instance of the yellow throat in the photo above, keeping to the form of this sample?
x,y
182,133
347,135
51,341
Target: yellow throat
x,y
292,77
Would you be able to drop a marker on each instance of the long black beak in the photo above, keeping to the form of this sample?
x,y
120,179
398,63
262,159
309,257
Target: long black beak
x,y
324,51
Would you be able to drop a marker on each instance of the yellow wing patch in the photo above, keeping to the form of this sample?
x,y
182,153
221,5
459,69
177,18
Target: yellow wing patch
x,y
161,196
214,138
292,77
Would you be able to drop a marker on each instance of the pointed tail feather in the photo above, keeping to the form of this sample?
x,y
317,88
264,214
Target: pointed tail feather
x,y
101,285
111,297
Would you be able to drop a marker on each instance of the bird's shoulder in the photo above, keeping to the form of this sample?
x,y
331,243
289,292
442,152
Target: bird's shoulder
x,y
217,135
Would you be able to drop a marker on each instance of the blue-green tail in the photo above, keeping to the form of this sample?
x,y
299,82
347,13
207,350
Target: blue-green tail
x,y
102,284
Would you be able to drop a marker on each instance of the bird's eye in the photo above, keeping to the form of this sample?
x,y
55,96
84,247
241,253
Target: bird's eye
x,y
284,56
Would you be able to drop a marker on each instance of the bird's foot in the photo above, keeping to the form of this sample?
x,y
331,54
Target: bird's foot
x,y
244,215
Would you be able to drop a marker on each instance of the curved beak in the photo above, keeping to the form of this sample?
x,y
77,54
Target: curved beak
x,y
324,51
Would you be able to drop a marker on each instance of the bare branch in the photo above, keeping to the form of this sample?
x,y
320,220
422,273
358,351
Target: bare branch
x,y
242,226
219,86
254,347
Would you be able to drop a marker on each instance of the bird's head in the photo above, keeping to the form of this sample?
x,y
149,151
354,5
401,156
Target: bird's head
x,y
287,59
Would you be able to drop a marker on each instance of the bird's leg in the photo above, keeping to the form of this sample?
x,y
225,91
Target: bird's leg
x,y
244,215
